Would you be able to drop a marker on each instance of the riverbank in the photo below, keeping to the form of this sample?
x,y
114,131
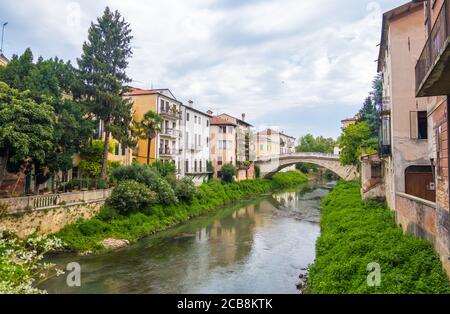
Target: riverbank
x,y
86,236
355,235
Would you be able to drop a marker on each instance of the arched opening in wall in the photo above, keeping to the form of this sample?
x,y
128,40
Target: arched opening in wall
x,y
419,182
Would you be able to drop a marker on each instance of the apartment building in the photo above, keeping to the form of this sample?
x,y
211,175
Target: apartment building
x,y
413,155
223,142
268,144
404,134
287,143
195,143
167,144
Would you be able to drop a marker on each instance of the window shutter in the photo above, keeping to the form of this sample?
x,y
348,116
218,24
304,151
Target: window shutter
x,y
413,121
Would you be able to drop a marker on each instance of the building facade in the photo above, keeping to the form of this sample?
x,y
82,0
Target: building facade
x,y
287,144
223,139
167,145
3,60
413,153
195,143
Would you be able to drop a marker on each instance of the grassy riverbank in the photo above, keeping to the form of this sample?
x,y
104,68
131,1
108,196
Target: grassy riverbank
x,y
355,234
86,236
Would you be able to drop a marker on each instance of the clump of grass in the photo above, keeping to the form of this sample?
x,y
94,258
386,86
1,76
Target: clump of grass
x,y
355,234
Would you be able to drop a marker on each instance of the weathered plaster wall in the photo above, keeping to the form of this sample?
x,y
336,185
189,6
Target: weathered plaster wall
x,y
45,222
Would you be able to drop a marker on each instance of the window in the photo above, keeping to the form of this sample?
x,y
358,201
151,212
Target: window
x,y
375,170
419,125
195,119
439,152
187,116
124,151
219,161
187,166
200,165
207,122
116,150
261,147
195,166
187,139
162,105
230,129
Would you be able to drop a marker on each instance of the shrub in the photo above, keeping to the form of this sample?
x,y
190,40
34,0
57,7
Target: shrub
x,y
102,184
164,168
185,189
131,196
257,171
288,179
166,194
107,213
227,173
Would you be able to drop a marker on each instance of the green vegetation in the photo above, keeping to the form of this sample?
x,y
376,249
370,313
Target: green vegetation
x,y
353,139
21,265
286,179
103,78
227,173
355,234
320,144
363,134
123,220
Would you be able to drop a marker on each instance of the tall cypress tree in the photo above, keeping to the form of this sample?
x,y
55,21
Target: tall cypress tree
x,y
102,72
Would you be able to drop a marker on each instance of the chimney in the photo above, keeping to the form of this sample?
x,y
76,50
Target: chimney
x,y
243,117
210,112
190,103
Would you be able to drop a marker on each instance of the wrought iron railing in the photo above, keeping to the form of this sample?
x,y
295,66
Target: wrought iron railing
x,y
168,151
170,132
434,45
170,111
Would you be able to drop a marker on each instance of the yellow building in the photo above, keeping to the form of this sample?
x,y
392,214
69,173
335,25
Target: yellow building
x,y
166,145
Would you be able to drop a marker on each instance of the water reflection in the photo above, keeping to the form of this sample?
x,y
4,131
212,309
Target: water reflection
x,y
254,247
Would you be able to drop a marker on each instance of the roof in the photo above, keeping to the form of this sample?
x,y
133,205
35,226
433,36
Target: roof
x,y
221,121
292,137
142,92
237,119
3,58
387,17
197,111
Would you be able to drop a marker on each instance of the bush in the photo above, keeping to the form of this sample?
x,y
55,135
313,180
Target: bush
x,y
185,190
130,196
355,234
164,168
227,173
288,179
257,171
107,213
102,184
166,194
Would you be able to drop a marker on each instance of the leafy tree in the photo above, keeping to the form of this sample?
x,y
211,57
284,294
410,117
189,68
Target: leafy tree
x,y
228,172
353,139
320,144
51,82
164,168
147,129
369,115
102,72
26,129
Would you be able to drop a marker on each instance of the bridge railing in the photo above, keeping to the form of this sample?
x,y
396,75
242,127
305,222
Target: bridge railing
x,y
300,155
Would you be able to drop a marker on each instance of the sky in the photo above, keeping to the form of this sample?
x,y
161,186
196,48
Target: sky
x,y
299,66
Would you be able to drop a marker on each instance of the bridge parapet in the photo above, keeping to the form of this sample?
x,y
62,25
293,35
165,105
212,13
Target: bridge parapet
x,y
271,165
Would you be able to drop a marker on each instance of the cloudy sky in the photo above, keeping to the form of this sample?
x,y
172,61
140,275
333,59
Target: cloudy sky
x,y
300,65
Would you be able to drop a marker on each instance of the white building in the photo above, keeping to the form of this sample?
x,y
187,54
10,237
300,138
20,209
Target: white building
x,y
195,142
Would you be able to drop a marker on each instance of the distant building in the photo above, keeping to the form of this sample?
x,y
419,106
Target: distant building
x,y
3,60
223,135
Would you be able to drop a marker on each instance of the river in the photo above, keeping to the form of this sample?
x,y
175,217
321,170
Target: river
x,y
254,246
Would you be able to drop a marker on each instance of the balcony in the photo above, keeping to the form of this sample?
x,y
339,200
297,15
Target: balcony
x,y
194,147
169,112
168,152
197,171
172,133
433,66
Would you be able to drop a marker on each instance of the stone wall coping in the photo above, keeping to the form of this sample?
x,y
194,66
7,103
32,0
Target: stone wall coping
x,y
417,199
100,200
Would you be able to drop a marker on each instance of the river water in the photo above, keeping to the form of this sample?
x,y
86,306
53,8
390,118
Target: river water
x,y
254,246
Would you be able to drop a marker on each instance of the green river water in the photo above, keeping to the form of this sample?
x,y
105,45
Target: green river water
x,y
255,246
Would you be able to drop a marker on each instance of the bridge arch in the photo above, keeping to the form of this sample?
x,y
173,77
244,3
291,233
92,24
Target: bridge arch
x,y
270,166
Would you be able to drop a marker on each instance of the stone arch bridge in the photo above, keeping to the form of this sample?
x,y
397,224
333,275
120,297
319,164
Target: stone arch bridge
x,y
270,166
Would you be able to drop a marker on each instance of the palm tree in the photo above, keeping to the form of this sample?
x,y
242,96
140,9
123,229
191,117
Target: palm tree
x,y
147,128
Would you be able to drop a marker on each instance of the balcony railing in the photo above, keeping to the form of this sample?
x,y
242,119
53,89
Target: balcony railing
x,y
170,112
170,132
195,147
168,151
197,170
434,47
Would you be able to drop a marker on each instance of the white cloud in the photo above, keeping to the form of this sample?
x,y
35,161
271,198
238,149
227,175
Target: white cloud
x,y
261,57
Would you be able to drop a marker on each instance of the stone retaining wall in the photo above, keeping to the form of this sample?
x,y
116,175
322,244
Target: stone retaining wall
x,y
427,221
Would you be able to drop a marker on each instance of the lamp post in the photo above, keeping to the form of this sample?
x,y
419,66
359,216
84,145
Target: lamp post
x,y
3,35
